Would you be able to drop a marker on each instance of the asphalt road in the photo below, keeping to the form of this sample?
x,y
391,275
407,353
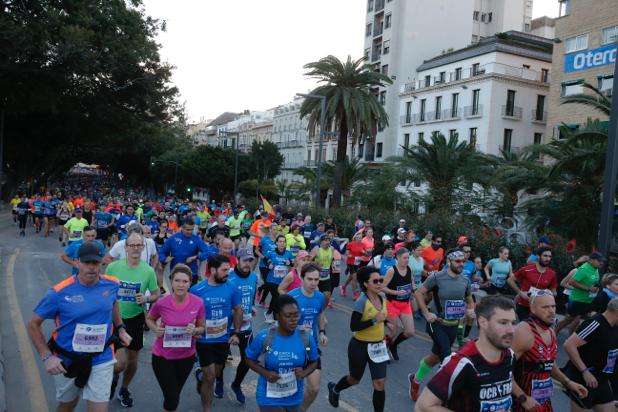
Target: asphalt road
x,y
30,265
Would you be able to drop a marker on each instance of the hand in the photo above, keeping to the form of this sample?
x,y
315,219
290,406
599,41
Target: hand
x,y
159,330
594,289
271,376
76,264
531,404
191,328
168,259
140,298
233,340
380,317
299,373
287,262
524,295
581,390
53,366
323,339
253,312
191,259
430,317
590,380
270,266
401,293
125,338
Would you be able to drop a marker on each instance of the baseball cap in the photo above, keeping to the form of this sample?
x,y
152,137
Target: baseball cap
x,y
78,210
597,256
245,254
462,239
89,252
545,239
387,238
302,254
401,230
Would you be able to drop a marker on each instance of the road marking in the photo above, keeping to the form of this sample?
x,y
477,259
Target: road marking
x,y
35,385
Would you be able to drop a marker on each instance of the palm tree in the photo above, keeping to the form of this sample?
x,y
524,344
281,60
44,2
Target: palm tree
x,y
307,189
597,100
353,171
444,165
351,105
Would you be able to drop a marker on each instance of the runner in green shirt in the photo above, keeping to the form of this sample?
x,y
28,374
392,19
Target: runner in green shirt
x,y
75,226
234,223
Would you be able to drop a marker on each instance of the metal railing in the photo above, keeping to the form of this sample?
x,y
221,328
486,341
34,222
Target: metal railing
x,y
539,116
378,30
379,5
406,119
473,111
512,112
510,149
375,56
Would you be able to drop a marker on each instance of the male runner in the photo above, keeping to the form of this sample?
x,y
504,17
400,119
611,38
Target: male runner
x,y
70,254
74,227
185,247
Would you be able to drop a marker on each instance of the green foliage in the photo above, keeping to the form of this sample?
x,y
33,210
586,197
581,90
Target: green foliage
x,y
266,160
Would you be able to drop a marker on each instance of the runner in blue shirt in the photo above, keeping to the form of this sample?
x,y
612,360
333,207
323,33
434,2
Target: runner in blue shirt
x,y
265,247
283,356
70,255
311,303
279,262
223,304
104,223
124,220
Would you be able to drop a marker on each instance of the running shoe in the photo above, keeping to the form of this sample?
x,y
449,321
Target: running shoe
x,y
333,397
414,388
240,397
198,380
343,292
124,396
219,388
355,296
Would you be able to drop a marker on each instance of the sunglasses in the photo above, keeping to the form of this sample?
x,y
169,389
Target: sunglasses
x,y
459,261
377,281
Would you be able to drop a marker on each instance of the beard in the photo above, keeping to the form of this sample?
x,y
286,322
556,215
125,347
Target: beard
x,y
456,269
543,263
499,342
220,279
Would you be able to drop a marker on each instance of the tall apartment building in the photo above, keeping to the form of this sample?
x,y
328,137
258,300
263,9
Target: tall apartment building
x,y
586,33
401,34
492,94
290,136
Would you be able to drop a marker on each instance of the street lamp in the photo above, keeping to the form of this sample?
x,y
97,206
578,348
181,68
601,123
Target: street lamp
x,y
176,164
319,159
225,133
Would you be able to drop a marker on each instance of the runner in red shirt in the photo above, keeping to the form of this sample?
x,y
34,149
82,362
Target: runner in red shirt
x,y
433,255
531,278
355,251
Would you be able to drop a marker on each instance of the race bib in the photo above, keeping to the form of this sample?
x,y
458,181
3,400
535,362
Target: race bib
x,y
307,327
377,352
284,387
307,234
567,291
611,361
542,390
408,289
216,328
454,309
176,337
324,274
128,290
533,291
280,271
337,265
294,249
246,322
502,405
475,287
76,234
357,260
89,338
499,281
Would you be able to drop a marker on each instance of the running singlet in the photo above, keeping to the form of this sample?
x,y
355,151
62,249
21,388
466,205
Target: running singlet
x,y
324,259
310,310
280,263
467,382
601,348
246,287
399,282
533,370
219,301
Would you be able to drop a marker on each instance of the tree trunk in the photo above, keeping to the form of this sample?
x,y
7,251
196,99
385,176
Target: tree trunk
x,y
342,149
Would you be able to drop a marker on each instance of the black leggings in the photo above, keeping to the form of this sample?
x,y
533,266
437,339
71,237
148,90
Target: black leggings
x,y
23,219
171,375
271,288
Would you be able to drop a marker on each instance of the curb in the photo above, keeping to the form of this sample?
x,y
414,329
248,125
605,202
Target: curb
x,y
2,384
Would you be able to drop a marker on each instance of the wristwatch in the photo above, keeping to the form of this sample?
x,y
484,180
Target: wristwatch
x,y
522,398
121,326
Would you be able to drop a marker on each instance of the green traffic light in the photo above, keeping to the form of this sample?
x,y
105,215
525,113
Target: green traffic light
x,y
188,189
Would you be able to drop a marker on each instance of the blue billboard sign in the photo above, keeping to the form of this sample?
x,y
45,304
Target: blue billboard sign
x,y
589,59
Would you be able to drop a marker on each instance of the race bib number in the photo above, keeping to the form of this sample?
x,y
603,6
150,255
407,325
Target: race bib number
x,y
307,234
280,271
502,405
128,290
542,390
294,249
499,281
89,338
357,260
454,309
246,322
406,288
176,337
76,234
284,387
475,287
377,352
324,274
337,265
611,361
216,328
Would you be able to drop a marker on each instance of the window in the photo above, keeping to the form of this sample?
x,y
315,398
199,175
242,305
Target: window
x,y
540,108
475,16
454,105
476,69
442,77
388,20
610,35
369,5
383,97
385,69
367,54
527,27
458,73
408,113
545,75
506,143
309,155
386,46
526,66
510,102
473,132
571,88
435,133
483,17
379,149
406,140
475,38
476,94
565,8
421,137
452,133
422,112
361,150
368,30
490,17
606,84
438,107
427,81
538,138
576,43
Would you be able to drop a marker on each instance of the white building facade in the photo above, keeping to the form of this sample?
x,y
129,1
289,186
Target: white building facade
x,y
492,94
400,34
290,136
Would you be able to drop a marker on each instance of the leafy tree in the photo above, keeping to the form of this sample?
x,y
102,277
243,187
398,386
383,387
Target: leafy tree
x,y
306,190
351,106
266,160
353,171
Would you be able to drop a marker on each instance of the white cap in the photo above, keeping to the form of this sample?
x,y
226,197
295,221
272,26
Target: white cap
x,y
386,238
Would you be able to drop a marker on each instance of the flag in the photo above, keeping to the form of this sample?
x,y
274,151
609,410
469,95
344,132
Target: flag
x,y
267,207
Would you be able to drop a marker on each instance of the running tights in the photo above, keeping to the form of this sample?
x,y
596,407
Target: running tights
x,y
271,288
171,375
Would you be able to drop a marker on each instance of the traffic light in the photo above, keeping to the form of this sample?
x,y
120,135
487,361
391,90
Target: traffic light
x,y
188,190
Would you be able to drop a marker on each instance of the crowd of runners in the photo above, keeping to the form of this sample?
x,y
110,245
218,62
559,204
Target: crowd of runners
x,y
194,273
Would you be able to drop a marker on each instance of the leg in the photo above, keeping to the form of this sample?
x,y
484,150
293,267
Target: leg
x,y
121,360
98,406
67,406
379,395
131,369
206,393
312,387
274,292
605,407
242,369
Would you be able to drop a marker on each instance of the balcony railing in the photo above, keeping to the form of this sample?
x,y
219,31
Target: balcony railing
x,y
473,111
310,163
510,149
379,5
378,30
512,112
452,113
375,56
539,116
406,120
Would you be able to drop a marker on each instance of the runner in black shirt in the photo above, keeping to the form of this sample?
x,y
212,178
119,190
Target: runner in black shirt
x,y
592,351
479,377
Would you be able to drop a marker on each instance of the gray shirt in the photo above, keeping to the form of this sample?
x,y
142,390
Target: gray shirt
x,y
449,294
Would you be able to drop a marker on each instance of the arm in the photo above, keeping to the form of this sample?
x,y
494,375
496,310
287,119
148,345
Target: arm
x,y
356,324
581,286
66,259
283,286
558,375
486,270
322,329
570,346
387,279
125,338
421,294
53,364
270,376
302,244
429,402
565,282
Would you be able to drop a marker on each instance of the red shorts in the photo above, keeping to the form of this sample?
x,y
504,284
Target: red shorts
x,y
397,307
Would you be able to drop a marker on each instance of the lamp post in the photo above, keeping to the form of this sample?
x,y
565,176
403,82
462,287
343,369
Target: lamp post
x,y
319,159
609,177
225,133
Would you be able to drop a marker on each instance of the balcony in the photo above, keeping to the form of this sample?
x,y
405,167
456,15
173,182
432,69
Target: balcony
x,y
310,163
512,112
406,120
379,5
510,149
378,30
409,87
375,56
473,111
452,114
539,116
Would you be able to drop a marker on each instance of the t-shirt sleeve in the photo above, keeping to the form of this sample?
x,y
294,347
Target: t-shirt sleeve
x,y
519,274
155,310
47,307
491,263
201,312
254,350
430,282
115,250
580,274
590,330
554,282
359,305
451,378
152,284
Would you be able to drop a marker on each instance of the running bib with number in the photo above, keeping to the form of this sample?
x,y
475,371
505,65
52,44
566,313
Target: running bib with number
x,y
324,274
499,281
294,249
357,260
89,338
502,405
337,265
176,337
280,271
76,233
246,322
407,288
306,234
216,328
377,352
475,287
128,290
542,390
284,387
454,309
611,361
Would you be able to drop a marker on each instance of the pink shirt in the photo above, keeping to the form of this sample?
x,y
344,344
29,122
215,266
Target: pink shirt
x,y
173,314
297,282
